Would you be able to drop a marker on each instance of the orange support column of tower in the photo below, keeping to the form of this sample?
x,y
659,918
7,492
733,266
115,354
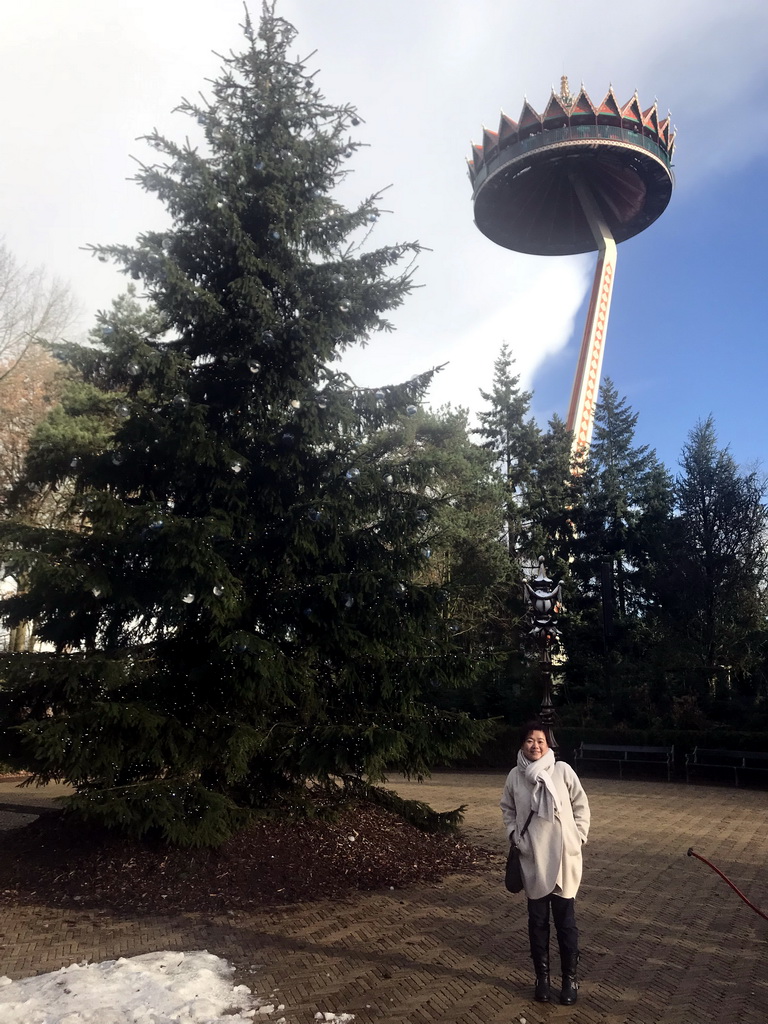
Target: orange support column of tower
x,y
578,178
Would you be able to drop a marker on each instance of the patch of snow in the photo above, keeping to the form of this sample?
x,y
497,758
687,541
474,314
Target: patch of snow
x,y
154,988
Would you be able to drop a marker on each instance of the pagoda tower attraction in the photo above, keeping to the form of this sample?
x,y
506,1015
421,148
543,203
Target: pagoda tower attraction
x,y
578,178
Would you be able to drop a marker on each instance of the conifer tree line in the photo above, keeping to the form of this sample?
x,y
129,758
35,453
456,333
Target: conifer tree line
x,y
664,572
245,579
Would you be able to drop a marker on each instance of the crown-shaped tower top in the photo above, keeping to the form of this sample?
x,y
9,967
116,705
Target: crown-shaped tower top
x,y
523,175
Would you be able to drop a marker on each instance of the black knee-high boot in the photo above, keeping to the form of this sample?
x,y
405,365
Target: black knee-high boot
x,y
538,936
564,915
570,990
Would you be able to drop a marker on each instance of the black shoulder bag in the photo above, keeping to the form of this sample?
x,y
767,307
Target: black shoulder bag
x,y
513,877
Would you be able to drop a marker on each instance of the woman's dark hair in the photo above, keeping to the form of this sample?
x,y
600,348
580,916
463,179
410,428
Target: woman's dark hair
x,y
535,724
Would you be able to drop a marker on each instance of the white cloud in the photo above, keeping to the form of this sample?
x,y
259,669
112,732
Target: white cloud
x,y
533,306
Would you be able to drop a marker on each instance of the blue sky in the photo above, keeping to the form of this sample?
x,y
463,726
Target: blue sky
x,y
686,338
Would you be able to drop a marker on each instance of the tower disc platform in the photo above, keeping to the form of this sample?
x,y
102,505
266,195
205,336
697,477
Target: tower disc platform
x,y
523,175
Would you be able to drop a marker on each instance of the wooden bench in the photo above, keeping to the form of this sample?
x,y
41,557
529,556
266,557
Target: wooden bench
x,y
624,755
737,761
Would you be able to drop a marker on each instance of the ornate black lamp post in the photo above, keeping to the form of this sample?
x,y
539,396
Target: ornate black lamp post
x,y
544,597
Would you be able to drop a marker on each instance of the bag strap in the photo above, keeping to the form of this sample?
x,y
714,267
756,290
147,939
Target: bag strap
x,y
525,826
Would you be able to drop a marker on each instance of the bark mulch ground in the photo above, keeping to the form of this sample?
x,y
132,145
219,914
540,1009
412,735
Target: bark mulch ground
x,y
60,862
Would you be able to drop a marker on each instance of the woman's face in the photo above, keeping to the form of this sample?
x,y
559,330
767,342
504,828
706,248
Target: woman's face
x,y
535,745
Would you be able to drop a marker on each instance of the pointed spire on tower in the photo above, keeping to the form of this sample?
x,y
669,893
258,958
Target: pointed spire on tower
x,y
565,93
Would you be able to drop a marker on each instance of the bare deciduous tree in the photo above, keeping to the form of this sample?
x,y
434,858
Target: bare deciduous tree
x,y
33,308
26,395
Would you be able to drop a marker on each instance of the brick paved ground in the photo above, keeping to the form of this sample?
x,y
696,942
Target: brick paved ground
x,y
664,940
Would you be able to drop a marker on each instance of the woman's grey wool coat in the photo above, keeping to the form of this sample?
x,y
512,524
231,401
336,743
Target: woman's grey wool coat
x,y
550,853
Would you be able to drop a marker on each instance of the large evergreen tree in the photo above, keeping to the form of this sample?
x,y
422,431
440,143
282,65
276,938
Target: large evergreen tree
x,y
626,501
471,562
237,603
621,478
540,502
509,433
712,596
552,508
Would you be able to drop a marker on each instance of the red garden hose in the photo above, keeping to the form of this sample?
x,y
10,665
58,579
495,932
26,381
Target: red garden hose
x,y
692,853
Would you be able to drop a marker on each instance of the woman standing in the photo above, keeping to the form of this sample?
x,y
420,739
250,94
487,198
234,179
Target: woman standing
x,y
550,851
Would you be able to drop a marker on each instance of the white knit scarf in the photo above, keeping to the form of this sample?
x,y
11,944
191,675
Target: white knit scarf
x,y
544,799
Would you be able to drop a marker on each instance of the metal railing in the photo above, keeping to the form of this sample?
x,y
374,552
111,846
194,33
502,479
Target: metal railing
x,y
573,133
